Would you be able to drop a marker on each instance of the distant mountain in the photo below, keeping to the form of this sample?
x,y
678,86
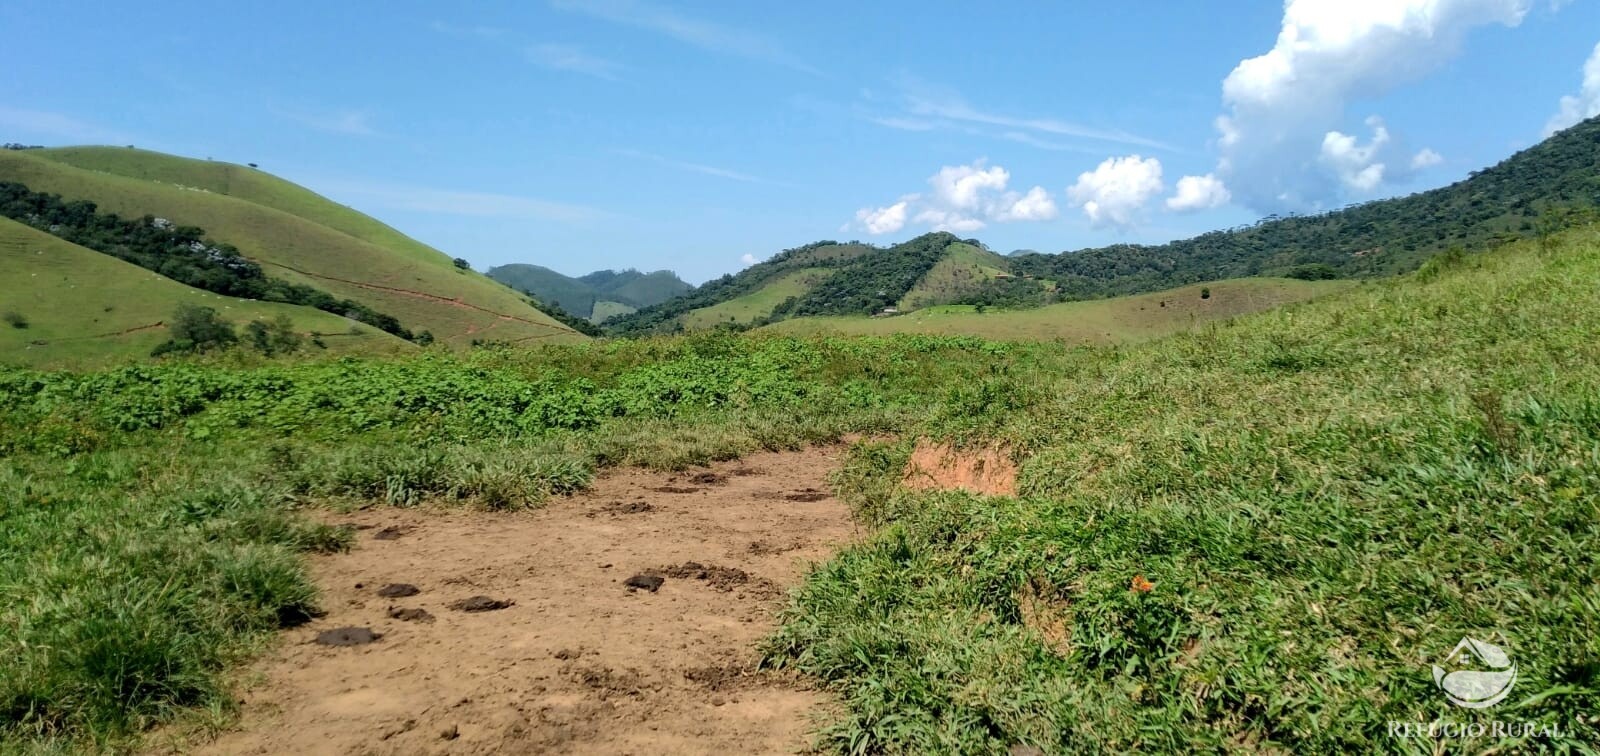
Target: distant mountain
x,y
296,238
596,296
829,278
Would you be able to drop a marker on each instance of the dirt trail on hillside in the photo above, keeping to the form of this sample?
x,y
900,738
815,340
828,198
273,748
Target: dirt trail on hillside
x,y
577,662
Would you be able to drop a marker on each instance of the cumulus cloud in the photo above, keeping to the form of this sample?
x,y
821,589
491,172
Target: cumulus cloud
x,y
1280,143
963,198
1116,192
883,220
1584,104
1357,165
1199,193
1425,159
748,259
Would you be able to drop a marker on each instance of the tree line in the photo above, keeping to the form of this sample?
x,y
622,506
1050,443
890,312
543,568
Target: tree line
x,y
181,253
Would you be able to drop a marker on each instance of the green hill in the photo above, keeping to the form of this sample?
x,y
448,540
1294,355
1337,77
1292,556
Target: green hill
x,y
1529,194
596,296
1099,321
294,234
84,308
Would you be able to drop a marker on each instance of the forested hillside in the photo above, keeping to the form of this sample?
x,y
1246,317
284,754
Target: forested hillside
x,y
595,296
1531,193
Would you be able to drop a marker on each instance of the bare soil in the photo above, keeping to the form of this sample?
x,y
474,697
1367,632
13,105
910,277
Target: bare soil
x,y
987,471
573,661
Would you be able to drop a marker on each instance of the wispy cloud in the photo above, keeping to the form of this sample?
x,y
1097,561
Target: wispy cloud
x,y
47,124
924,107
410,198
705,35
347,122
574,59
708,170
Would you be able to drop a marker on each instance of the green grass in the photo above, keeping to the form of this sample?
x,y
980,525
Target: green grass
x,y
604,309
84,308
758,303
962,267
1101,321
396,280
1326,497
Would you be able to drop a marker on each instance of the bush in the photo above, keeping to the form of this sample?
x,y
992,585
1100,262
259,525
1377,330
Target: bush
x,y
1205,292
197,329
15,319
462,264
273,338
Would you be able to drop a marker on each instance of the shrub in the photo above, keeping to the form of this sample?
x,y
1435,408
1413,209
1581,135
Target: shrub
x,y
197,329
16,319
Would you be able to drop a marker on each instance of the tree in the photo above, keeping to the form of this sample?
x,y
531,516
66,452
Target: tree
x,y
1205,292
462,264
197,329
274,337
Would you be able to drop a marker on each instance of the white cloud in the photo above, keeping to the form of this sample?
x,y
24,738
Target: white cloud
x,y
959,186
925,101
1116,192
1584,104
748,259
1036,205
705,35
1357,166
1283,106
573,59
964,198
1198,193
1427,158
883,220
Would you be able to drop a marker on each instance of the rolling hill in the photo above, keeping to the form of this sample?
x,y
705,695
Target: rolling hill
x,y
1529,194
295,235
1534,193
1099,321
597,296
78,307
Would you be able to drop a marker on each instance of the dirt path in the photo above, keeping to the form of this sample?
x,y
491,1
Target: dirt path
x,y
579,663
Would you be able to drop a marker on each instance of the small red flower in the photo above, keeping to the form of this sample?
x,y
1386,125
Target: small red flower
x,y
1140,585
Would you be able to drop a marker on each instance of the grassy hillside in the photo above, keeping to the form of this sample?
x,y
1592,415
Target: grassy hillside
x,y
83,308
1252,537
759,303
1524,196
637,289
1101,321
246,183
962,268
546,285
454,305
668,316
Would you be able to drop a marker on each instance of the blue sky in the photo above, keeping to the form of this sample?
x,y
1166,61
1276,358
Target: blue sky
x,y
701,136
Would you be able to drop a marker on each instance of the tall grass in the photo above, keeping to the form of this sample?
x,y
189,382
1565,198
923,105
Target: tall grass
x,y
1326,499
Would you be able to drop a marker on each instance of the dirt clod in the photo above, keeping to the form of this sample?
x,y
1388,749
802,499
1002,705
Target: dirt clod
x,y
720,578
651,583
807,495
481,604
708,479
391,533
410,615
616,508
675,489
450,733
347,636
398,590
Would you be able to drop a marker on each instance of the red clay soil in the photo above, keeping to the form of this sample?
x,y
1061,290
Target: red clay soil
x,y
547,649
988,471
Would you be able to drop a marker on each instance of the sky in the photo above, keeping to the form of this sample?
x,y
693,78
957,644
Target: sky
x,y
705,136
